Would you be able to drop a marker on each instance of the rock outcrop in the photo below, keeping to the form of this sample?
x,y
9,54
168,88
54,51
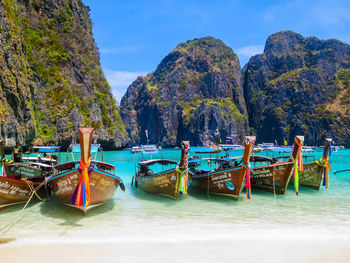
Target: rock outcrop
x,y
194,94
299,86
51,80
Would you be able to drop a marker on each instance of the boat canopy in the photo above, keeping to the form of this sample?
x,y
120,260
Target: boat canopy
x,y
261,158
216,160
75,148
281,149
47,149
149,149
231,147
157,161
225,160
203,149
36,159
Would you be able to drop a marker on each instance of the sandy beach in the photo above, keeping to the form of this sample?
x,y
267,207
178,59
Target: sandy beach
x,y
237,250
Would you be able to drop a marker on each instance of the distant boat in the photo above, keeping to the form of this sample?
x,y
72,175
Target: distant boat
x,y
23,181
75,181
289,149
204,150
316,172
136,149
170,182
275,175
231,147
227,178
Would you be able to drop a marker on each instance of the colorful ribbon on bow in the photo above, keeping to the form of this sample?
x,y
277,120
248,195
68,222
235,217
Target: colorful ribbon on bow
x,y
247,178
81,196
183,181
300,156
325,164
296,175
183,175
325,170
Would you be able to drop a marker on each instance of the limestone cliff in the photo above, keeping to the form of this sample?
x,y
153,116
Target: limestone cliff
x,y
299,86
51,80
194,94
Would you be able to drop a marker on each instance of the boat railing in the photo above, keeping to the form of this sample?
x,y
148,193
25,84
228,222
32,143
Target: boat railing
x,y
73,165
75,148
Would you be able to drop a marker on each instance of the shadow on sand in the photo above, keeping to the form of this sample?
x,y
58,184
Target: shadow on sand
x,y
71,216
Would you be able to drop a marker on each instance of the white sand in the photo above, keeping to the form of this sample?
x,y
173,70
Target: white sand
x,y
230,250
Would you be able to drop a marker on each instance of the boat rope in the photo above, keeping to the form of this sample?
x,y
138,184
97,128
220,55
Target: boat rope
x,y
35,190
8,226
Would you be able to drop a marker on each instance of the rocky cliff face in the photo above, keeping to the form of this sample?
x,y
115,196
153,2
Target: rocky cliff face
x,y
299,86
194,94
51,81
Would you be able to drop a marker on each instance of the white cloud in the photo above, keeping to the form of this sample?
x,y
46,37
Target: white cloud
x,y
249,51
120,81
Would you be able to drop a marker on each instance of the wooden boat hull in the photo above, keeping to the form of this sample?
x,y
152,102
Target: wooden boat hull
x,y
165,183
271,178
17,191
102,187
226,183
311,177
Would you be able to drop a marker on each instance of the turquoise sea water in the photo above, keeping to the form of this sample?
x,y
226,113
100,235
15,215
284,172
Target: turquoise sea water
x,y
135,216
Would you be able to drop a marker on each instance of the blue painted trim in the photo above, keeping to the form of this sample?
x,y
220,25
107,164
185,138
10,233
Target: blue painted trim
x,y
59,175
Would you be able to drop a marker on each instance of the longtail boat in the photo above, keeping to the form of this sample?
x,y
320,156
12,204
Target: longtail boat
x,y
316,172
22,181
227,178
275,176
84,184
171,182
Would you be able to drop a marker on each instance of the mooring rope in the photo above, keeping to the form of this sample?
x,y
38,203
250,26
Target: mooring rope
x,y
8,226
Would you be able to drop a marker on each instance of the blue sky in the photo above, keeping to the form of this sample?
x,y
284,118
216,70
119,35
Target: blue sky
x,y
133,36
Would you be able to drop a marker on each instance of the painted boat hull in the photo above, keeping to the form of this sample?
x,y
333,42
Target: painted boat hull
x,y
17,191
225,183
311,177
102,187
166,183
271,178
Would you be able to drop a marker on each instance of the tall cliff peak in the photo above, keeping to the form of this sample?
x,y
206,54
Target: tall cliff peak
x,y
195,94
51,78
299,85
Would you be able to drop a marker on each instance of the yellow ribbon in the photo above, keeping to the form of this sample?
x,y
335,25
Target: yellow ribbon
x,y
323,162
183,181
296,175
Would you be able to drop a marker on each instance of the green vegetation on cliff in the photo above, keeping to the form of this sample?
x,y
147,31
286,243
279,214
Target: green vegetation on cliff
x,y
54,71
194,94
